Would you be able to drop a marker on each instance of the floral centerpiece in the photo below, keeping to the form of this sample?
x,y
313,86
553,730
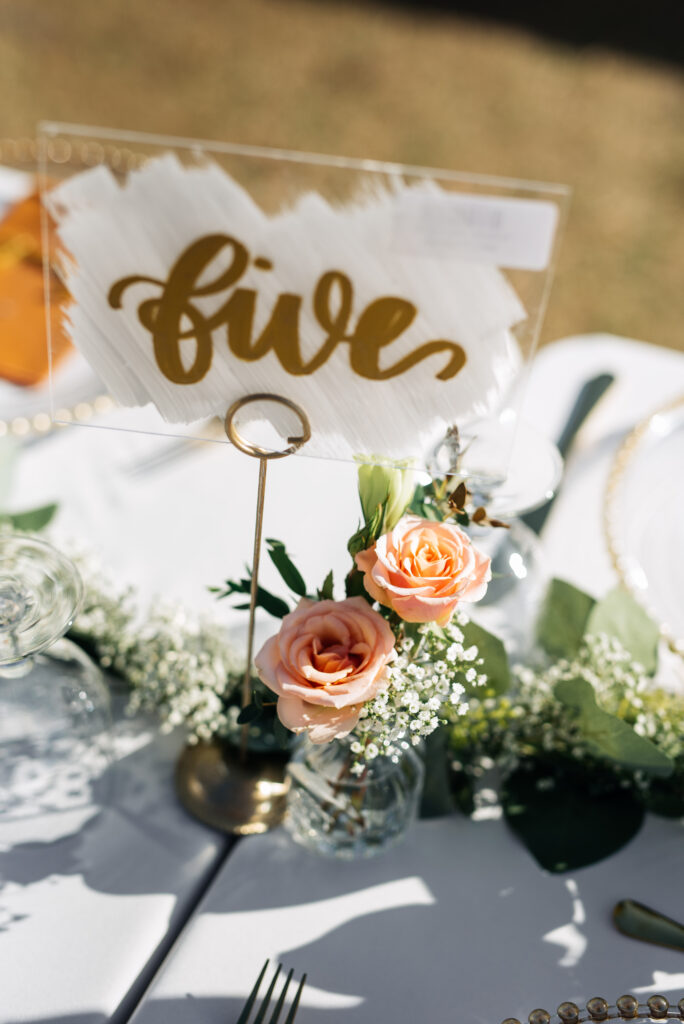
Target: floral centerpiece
x,y
369,675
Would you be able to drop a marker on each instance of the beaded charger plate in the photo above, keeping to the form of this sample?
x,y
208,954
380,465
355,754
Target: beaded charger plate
x,y
24,389
642,517
626,1007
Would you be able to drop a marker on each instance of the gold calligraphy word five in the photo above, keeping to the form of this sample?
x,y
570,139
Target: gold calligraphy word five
x,y
378,325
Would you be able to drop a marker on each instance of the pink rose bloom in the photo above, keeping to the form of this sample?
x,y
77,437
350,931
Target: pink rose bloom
x,y
328,659
423,570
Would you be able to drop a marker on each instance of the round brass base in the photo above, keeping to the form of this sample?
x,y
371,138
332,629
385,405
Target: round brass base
x,y
214,786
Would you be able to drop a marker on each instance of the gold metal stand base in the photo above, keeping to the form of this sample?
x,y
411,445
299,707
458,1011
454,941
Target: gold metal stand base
x,y
214,786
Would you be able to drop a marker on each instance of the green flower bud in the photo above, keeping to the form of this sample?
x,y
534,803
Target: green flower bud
x,y
381,483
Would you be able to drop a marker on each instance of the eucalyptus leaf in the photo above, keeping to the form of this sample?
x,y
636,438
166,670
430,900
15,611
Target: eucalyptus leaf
x,y
569,818
607,736
32,520
285,566
619,615
563,619
493,654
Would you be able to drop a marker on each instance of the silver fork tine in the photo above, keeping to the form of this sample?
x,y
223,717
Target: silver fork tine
x,y
279,1005
247,1009
267,998
295,1005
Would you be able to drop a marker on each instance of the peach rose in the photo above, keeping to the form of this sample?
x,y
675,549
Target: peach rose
x,y
328,659
423,570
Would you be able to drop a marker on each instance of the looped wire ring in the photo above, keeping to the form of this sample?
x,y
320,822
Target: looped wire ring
x,y
295,442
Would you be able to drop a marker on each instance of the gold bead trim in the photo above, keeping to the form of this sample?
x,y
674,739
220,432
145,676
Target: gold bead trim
x,y
626,1007
617,556
23,154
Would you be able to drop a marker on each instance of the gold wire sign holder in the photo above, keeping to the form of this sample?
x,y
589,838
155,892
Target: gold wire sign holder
x,y
263,455
243,793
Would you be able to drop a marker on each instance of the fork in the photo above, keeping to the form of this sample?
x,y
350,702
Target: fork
x,y
263,1009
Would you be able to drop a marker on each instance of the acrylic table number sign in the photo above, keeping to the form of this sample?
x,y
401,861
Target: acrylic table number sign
x,y
315,305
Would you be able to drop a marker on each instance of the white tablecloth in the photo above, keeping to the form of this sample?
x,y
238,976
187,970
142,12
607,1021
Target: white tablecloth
x,y
87,909
459,924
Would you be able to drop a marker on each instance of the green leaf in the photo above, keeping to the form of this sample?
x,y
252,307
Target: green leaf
x,y
32,520
285,566
493,654
609,737
666,796
437,799
282,734
563,619
325,593
418,499
620,616
248,714
569,817
353,586
264,599
366,536
463,789
275,606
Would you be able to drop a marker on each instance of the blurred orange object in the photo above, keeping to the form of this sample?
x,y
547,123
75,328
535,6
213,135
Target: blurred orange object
x,y
23,337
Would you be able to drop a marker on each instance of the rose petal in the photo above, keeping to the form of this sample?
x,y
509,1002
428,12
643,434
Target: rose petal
x,y
321,724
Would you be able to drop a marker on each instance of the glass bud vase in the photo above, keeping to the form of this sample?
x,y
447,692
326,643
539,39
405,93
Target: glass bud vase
x,y
340,809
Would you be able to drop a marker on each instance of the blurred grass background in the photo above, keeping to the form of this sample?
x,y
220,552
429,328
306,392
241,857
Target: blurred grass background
x,y
408,82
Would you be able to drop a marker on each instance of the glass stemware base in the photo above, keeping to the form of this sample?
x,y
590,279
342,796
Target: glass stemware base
x,y
54,704
53,733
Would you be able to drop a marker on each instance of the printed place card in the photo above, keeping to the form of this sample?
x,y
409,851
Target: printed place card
x,y
498,231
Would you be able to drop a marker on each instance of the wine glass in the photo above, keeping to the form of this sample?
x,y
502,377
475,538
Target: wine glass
x,y
510,468
54,705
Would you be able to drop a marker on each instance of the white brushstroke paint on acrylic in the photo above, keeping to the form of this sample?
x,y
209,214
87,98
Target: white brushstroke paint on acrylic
x,y
112,231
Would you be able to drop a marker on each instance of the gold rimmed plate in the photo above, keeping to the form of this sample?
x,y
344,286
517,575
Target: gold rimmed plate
x,y
643,517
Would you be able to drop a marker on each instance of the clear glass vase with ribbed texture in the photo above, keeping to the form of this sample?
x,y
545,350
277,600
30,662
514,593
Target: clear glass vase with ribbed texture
x,y
341,805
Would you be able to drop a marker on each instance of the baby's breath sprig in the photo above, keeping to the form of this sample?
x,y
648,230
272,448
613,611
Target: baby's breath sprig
x,y
426,675
531,721
176,663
